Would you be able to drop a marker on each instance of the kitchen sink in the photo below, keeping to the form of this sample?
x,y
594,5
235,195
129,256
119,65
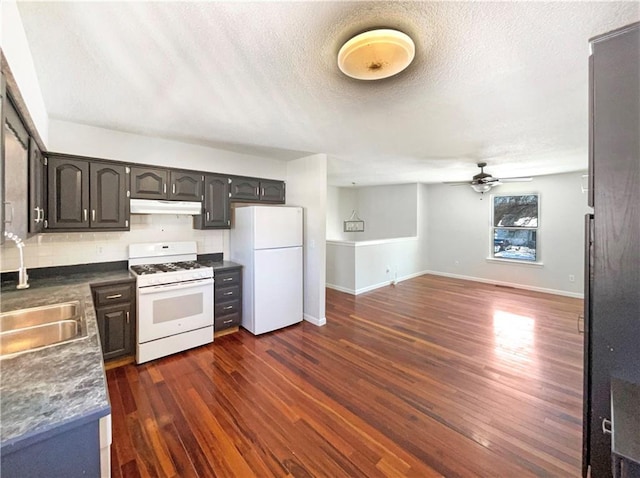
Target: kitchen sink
x,y
39,327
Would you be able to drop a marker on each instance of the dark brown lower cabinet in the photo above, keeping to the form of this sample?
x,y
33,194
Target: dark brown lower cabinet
x,y
228,299
116,315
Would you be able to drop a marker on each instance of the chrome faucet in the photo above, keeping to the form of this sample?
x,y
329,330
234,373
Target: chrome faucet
x,y
23,277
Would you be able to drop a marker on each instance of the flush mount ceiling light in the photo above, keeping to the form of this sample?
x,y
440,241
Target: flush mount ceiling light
x,y
376,54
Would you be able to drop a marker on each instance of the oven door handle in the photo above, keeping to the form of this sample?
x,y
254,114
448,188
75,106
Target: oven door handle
x,y
179,286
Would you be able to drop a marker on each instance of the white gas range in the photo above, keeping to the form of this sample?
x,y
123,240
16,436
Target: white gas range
x,y
174,297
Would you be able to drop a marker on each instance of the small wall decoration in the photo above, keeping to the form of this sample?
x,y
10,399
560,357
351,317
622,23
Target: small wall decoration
x,y
354,223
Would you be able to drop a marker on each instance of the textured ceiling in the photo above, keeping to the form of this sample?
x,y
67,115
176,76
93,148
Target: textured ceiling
x,y
500,82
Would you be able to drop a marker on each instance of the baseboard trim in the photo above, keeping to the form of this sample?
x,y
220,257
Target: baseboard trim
x,y
315,321
564,293
341,289
369,288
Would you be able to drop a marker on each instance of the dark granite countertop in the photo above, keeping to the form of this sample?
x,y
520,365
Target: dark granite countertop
x,y
220,265
45,391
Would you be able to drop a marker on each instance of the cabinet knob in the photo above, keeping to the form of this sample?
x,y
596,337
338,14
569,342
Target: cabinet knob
x,y
580,319
228,307
93,215
164,188
127,317
207,216
228,293
227,321
85,214
114,296
173,188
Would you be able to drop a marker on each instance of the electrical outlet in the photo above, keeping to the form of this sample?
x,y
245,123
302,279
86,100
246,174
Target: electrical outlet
x,y
572,278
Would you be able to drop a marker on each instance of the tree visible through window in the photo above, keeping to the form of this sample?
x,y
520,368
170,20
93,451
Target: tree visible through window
x,y
515,227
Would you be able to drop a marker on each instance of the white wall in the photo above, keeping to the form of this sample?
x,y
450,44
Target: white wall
x,y
393,247
388,211
459,235
307,187
18,54
341,266
83,140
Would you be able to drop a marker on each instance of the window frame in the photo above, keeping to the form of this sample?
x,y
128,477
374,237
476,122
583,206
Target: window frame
x,y
492,230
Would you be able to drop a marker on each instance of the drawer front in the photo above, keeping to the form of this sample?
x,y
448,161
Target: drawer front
x,y
227,278
224,294
113,294
226,308
226,321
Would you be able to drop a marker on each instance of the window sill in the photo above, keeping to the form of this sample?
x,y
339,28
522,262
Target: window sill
x,y
515,262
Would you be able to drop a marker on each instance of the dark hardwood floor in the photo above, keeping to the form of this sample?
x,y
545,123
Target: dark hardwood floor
x,y
432,377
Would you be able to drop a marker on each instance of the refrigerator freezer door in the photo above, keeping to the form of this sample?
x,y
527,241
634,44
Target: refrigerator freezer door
x,y
277,289
277,227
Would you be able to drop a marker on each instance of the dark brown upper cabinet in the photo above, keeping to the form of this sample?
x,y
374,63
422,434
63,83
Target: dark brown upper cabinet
x,y
153,183
68,194
109,184
84,194
37,188
186,186
245,189
147,183
272,191
257,190
215,206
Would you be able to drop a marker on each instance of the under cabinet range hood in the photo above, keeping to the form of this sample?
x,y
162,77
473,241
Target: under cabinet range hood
x,y
156,206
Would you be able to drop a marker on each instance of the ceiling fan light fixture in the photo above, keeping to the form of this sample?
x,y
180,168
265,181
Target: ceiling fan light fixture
x,y
482,187
376,54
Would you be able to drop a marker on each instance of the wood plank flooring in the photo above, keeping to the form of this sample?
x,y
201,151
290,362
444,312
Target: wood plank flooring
x,y
432,377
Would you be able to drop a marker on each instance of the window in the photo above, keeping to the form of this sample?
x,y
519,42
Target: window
x,y
515,227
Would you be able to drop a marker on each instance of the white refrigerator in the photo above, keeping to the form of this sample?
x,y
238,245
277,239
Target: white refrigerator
x,y
267,241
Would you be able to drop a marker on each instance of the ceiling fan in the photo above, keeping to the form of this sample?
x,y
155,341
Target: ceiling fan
x,y
483,182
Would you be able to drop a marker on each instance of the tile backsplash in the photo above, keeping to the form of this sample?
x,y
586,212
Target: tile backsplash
x,y
58,249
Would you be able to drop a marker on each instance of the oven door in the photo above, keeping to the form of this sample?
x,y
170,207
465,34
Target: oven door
x,y
171,309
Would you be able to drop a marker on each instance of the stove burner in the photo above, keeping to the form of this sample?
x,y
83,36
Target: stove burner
x,y
144,269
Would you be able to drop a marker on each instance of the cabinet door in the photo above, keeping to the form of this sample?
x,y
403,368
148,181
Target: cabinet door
x,y
245,189
215,207
109,184
68,193
114,323
37,189
186,186
148,183
272,191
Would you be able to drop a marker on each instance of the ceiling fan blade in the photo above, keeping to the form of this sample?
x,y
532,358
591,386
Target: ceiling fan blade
x,y
515,180
457,183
